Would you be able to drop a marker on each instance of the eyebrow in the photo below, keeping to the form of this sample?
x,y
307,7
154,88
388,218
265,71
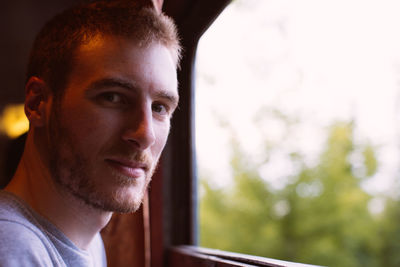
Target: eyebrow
x,y
112,82
172,98
131,86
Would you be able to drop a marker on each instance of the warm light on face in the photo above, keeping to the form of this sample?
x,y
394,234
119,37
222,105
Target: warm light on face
x,y
13,121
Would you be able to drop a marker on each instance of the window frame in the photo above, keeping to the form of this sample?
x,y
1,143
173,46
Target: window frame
x,y
173,192
198,256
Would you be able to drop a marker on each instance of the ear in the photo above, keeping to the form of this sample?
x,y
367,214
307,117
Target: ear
x,y
37,100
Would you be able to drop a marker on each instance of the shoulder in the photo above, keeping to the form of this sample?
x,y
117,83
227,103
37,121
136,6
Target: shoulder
x,y
17,226
21,245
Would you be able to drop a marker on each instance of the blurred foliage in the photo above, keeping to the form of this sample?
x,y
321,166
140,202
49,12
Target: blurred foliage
x,y
320,217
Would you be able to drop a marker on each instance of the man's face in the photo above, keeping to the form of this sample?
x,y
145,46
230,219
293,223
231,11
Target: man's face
x,y
107,133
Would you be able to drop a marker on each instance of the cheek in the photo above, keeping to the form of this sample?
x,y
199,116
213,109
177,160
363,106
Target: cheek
x,y
161,132
89,128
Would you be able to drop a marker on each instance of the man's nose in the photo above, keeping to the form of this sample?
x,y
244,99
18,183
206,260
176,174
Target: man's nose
x,y
140,131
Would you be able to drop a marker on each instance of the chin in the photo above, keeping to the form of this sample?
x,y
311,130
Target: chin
x,y
121,200
124,200
115,205
128,203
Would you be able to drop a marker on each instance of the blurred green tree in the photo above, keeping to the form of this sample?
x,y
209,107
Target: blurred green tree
x,y
320,217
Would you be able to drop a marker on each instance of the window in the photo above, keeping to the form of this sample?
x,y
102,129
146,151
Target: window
x,y
297,135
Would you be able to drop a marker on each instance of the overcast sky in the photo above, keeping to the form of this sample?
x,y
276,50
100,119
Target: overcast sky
x,y
319,60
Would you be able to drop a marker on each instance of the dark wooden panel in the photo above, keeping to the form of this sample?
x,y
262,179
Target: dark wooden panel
x,y
156,218
124,240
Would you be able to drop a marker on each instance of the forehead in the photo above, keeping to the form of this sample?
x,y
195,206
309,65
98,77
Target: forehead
x,y
149,66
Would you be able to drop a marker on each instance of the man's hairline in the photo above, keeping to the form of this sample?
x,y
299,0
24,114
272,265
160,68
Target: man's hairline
x,y
143,44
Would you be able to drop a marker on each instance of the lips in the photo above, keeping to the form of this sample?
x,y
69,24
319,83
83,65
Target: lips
x,y
132,169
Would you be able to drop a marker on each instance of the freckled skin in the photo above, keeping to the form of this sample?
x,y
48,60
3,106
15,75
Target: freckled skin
x,y
115,112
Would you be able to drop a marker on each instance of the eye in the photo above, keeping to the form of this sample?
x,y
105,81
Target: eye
x,y
112,97
160,109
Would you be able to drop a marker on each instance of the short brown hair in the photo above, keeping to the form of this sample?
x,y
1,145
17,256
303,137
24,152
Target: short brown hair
x,y
52,55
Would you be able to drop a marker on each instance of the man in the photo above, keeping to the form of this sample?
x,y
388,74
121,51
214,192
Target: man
x,y
100,92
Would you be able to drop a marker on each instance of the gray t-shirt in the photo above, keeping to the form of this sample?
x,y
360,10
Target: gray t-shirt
x,y
27,239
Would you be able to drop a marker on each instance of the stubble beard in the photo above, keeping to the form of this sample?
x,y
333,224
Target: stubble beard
x,y
70,170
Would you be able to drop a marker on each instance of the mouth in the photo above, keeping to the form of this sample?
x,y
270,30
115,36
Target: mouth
x,y
132,169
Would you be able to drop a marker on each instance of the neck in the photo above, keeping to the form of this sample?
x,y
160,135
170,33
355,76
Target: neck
x,y
33,183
